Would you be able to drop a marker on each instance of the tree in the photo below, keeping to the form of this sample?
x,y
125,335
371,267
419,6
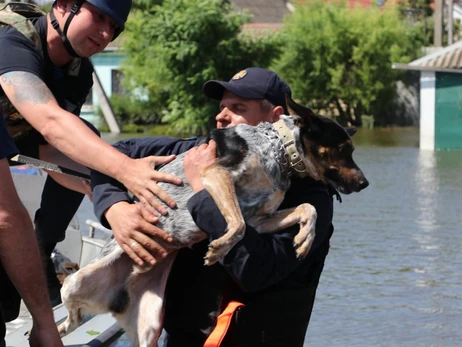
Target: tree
x,y
338,61
174,47
417,8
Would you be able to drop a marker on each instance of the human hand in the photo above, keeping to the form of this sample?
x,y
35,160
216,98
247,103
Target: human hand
x,y
87,188
195,160
45,337
140,178
132,225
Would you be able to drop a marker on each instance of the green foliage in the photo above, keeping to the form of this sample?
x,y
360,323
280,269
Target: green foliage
x,y
338,60
145,5
173,48
133,114
419,13
417,8
45,6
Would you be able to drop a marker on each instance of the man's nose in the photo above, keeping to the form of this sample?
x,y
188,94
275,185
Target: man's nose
x,y
107,31
223,115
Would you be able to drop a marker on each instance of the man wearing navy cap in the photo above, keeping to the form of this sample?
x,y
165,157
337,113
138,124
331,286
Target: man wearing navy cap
x,y
252,83
261,271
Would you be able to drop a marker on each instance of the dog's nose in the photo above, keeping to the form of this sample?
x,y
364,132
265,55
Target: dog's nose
x,y
363,183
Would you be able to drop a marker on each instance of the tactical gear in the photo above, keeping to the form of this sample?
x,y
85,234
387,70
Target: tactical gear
x,y
16,15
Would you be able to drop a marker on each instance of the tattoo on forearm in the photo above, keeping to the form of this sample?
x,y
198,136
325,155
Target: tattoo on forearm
x,y
27,87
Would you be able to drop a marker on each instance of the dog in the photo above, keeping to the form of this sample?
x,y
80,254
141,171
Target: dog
x,y
248,182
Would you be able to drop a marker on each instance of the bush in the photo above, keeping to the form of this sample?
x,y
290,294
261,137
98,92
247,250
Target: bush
x,y
173,48
338,60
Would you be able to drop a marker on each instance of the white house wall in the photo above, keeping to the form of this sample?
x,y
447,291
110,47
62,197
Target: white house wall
x,y
427,110
105,76
104,64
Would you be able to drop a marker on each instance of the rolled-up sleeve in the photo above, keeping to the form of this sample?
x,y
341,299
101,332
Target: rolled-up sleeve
x,y
108,191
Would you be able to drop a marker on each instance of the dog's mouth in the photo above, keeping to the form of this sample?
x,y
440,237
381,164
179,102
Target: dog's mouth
x,y
346,185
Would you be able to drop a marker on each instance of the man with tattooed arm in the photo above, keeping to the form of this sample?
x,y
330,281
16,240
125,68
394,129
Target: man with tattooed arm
x,y
45,76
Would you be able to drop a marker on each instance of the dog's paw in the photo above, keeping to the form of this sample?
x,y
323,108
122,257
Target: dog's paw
x,y
302,244
210,258
305,237
215,252
63,328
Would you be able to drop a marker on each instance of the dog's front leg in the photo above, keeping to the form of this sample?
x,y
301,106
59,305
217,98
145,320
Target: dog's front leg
x,y
220,185
304,214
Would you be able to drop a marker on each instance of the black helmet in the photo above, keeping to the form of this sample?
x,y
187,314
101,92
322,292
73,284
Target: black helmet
x,y
118,10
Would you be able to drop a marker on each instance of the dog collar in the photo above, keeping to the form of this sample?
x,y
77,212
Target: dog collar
x,y
296,163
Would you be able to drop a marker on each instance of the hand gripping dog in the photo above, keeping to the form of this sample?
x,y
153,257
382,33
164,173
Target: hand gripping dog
x,y
248,183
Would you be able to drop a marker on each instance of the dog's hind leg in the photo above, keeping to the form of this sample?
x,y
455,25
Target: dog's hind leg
x,y
304,214
73,320
220,185
99,287
143,317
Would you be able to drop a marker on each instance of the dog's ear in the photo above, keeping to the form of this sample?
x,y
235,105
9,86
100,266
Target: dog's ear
x,y
304,116
350,131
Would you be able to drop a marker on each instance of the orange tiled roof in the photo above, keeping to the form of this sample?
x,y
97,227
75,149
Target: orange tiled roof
x,y
264,11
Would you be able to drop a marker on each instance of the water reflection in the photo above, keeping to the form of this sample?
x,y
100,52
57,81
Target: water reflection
x,y
392,275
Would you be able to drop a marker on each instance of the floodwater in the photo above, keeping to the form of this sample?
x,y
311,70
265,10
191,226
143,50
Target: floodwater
x,y
393,273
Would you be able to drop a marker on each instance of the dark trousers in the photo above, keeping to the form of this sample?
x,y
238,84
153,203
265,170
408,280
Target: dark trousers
x,y
2,329
57,207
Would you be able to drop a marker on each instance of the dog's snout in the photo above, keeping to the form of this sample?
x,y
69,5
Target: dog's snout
x,y
363,183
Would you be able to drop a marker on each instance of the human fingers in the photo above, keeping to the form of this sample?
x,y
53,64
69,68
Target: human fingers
x,y
134,249
212,147
143,249
88,191
148,249
196,160
157,197
133,255
163,176
141,179
148,213
126,220
155,232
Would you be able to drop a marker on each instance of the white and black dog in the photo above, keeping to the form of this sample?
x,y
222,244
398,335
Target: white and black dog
x,y
248,183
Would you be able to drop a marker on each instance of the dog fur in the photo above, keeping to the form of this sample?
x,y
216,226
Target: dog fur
x,y
248,183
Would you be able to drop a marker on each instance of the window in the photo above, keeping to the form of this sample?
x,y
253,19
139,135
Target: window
x,y
117,88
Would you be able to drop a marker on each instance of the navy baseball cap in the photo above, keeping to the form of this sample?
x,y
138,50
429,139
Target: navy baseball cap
x,y
251,83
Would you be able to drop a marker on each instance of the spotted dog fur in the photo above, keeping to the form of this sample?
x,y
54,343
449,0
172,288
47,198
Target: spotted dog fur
x,y
248,183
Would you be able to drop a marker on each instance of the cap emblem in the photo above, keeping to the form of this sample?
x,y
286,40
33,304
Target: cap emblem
x,y
239,75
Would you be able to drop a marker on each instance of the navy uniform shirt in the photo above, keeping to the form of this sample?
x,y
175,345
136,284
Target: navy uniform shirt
x,y
69,85
7,147
260,269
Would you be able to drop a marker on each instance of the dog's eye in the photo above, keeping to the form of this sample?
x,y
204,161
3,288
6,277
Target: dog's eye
x,y
346,148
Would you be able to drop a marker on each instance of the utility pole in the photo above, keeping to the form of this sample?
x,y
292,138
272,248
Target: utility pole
x,y
105,105
438,30
450,21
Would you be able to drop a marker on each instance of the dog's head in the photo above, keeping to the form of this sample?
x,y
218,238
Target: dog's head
x,y
327,150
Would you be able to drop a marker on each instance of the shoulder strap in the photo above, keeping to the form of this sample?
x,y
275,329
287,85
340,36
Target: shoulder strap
x,y
223,321
17,14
